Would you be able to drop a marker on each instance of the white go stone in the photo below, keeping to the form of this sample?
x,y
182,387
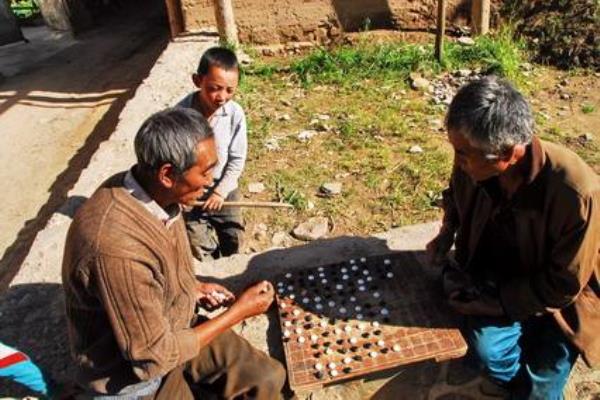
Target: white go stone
x,y
387,261
286,333
319,306
352,299
283,305
353,340
321,274
361,281
380,343
390,274
359,316
362,326
373,354
363,260
343,310
365,272
376,295
287,323
331,303
347,360
305,300
281,290
362,288
339,286
290,288
292,296
375,324
348,328
345,277
344,270
319,366
280,284
299,330
320,269
354,268
352,261
288,275
296,312
323,281
317,299
369,278
384,311
337,331
301,339
333,373
323,324
357,308
396,348
332,365
314,337
311,277
329,351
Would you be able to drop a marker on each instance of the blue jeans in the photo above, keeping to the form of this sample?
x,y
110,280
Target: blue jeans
x,y
531,358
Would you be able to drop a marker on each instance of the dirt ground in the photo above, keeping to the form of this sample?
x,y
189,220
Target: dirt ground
x,y
64,100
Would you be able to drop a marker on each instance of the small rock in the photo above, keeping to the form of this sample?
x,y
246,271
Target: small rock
x,y
565,96
282,239
284,117
526,66
463,73
306,135
286,102
585,138
419,83
330,189
256,187
260,231
564,82
466,41
323,117
416,149
272,144
310,205
313,229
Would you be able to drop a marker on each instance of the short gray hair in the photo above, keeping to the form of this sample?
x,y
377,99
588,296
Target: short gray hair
x,y
171,137
492,114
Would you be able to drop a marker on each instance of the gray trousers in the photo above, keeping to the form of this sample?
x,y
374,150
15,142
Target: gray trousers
x,y
219,233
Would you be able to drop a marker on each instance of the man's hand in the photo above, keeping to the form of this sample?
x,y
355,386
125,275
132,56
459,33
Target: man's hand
x,y
469,303
439,247
255,300
214,202
213,295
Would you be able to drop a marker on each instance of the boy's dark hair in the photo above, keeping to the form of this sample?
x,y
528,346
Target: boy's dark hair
x,y
217,57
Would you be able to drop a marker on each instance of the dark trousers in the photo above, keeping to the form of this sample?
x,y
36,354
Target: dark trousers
x,y
532,358
228,367
218,234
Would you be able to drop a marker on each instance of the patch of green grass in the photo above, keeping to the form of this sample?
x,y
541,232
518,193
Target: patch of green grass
x,y
499,53
587,108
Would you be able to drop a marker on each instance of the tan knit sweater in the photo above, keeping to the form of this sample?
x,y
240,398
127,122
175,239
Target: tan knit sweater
x,y
129,290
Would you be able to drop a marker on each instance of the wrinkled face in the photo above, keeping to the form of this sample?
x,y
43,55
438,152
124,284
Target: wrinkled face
x,y
475,162
192,183
217,87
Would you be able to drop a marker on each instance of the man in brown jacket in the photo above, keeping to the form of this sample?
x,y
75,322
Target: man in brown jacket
x,y
130,286
524,216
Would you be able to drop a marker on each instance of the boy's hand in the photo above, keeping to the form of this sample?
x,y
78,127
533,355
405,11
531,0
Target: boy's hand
x,y
213,295
214,202
255,300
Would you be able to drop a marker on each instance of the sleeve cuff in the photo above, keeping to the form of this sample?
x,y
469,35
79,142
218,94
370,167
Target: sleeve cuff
x,y
188,345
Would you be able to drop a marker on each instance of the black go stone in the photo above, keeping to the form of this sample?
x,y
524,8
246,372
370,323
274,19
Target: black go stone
x,y
319,374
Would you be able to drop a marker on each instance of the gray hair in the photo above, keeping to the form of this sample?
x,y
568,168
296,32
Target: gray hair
x,y
492,114
171,137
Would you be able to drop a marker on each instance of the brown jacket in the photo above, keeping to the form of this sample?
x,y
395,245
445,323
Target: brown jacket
x,y
557,229
130,291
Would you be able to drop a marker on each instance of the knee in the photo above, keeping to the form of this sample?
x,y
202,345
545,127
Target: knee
x,y
491,351
273,377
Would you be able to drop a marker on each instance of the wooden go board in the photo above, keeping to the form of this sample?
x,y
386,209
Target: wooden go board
x,y
346,320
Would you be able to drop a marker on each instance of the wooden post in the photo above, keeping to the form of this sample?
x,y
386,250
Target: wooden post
x,y
175,15
480,16
226,22
441,29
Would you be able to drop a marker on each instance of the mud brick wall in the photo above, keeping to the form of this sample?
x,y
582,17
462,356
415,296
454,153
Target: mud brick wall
x,y
270,22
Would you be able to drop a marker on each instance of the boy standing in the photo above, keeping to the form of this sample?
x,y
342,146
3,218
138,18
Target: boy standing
x,y
217,79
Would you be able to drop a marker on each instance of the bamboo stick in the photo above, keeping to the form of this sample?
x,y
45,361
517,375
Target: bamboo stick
x,y
250,204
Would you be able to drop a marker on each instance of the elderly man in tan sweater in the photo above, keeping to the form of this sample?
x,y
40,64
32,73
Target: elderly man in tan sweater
x,y
130,287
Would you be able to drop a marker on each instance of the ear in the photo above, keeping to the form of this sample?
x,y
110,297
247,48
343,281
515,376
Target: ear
x,y
166,176
514,154
197,79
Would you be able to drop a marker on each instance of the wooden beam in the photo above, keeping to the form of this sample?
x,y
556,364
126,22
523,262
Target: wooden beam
x,y
226,22
480,16
175,15
441,30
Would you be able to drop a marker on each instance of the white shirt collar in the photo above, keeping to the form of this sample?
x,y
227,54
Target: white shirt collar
x,y
137,191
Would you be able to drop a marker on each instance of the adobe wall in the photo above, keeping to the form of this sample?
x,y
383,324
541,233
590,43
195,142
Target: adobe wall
x,y
269,21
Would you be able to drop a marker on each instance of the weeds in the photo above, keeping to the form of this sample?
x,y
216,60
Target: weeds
x,y
587,108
